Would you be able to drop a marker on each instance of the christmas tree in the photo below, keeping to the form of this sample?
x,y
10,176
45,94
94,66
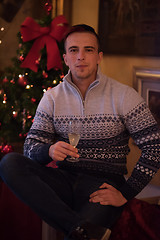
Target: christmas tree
x,y
37,68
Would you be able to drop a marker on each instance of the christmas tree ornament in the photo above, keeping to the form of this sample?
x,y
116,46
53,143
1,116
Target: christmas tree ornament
x,y
1,148
7,149
15,113
21,58
62,76
33,100
48,7
22,81
37,62
44,36
22,135
44,74
12,81
5,80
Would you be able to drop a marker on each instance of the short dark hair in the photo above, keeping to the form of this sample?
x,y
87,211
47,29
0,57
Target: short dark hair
x,y
82,28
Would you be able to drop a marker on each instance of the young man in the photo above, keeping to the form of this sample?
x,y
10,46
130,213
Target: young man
x,y
83,199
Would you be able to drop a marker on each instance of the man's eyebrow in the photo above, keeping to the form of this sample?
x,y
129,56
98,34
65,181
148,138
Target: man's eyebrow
x,y
72,47
91,47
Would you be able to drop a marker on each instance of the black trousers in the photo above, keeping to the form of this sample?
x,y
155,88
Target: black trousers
x,y
59,197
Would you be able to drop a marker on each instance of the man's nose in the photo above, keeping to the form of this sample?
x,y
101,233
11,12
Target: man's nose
x,y
81,55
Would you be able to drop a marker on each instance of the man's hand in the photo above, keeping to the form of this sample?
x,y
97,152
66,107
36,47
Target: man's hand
x,y
60,150
108,195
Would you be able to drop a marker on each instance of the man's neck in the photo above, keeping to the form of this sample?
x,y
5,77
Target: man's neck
x,y
83,84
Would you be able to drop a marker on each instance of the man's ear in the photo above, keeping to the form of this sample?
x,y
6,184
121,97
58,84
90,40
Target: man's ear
x,y
65,59
100,57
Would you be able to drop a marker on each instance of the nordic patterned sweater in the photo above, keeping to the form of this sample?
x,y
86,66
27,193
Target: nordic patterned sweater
x,y
111,113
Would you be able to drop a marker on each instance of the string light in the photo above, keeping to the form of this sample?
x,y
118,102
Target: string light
x,y
4,98
2,29
28,87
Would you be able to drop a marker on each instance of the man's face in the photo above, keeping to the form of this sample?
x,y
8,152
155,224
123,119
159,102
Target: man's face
x,y
82,56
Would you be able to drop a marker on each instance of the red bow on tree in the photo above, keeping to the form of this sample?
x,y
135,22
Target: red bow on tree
x,y
44,36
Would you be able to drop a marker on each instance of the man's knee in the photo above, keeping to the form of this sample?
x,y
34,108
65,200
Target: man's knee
x,y
10,162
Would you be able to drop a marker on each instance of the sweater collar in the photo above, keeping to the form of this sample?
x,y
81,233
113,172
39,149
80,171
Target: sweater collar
x,y
68,78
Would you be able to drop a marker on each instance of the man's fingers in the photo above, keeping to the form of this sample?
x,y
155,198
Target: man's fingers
x,y
106,185
60,150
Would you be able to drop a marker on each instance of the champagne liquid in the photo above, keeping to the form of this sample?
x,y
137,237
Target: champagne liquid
x,y
74,138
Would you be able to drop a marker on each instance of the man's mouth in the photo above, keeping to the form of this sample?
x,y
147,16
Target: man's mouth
x,y
81,66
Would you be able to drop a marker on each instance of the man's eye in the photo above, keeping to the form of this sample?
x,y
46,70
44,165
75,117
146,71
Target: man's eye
x,y
89,50
73,50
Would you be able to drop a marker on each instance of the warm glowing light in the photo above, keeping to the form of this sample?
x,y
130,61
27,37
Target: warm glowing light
x,y
2,29
4,101
28,87
0,41
44,90
54,81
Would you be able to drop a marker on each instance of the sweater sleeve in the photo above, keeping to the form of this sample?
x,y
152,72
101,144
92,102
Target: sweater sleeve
x,y
145,132
41,134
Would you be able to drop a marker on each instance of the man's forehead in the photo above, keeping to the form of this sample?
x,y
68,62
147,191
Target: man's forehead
x,y
81,39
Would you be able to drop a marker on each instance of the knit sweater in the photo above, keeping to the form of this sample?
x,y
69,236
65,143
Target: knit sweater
x,y
110,114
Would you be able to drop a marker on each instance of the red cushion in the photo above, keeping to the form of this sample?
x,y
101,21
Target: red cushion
x,y
17,220
139,221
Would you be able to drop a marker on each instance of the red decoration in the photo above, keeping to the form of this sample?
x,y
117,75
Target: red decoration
x,y
22,135
62,76
15,114
21,58
44,36
48,7
33,100
37,62
22,81
5,80
45,75
12,81
6,149
1,148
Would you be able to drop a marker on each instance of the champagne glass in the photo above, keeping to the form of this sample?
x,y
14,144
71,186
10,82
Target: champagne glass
x,y
74,129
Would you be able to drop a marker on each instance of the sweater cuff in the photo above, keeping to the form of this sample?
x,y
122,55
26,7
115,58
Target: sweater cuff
x,y
128,192
43,154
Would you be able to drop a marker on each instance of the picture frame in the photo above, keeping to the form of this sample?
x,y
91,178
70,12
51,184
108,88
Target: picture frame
x,y
129,27
147,83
